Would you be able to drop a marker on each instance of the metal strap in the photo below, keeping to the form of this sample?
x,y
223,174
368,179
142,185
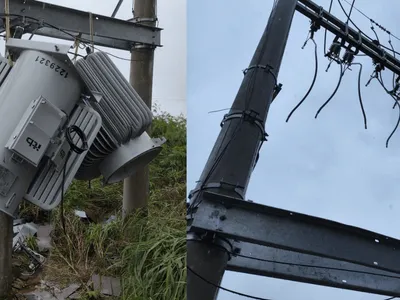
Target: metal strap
x,y
267,68
220,242
247,116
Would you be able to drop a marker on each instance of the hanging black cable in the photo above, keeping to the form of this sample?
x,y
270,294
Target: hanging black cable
x,y
395,128
73,148
351,10
363,33
373,30
312,83
373,21
196,203
378,76
379,79
224,289
387,48
359,94
354,24
342,70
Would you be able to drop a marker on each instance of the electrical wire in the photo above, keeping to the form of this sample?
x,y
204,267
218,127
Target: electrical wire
x,y
115,56
312,83
390,298
396,104
80,55
376,35
359,94
387,48
73,148
218,110
386,89
354,24
357,9
195,204
224,289
342,71
372,21
367,17
382,82
351,10
85,42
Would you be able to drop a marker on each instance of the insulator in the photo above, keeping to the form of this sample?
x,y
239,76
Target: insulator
x,y
379,67
314,27
335,49
348,57
396,88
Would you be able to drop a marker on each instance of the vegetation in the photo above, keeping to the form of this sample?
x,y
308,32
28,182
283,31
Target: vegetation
x,y
147,251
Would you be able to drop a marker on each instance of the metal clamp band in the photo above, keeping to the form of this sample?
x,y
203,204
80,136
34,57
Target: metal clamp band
x,y
267,68
249,116
215,185
141,20
219,242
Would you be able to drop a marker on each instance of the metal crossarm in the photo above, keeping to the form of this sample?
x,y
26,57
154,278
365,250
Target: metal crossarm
x,y
66,23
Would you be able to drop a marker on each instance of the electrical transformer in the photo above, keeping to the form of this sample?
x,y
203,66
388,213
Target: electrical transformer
x,y
60,121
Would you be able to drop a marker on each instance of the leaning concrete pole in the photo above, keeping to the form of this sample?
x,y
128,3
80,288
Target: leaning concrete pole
x,y
233,158
6,234
136,187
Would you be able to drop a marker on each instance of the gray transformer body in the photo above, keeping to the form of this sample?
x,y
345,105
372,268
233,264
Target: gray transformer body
x,y
36,76
45,94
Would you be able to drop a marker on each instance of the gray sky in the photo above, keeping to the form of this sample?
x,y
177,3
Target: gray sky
x,y
169,86
330,167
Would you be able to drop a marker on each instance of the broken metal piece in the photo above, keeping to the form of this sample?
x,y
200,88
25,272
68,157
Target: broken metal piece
x,y
42,292
68,291
21,232
36,259
109,286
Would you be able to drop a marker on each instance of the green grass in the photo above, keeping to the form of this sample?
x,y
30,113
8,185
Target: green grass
x,y
147,252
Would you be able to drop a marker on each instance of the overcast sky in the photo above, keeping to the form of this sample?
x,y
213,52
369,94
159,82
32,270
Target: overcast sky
x,y
330,167
169,86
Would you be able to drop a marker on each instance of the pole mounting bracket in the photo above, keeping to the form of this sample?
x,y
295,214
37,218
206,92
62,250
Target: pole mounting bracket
x,y
217,241
250,116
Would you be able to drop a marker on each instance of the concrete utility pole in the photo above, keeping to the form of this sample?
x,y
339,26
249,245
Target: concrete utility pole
x,y
6,234
241,136
136,187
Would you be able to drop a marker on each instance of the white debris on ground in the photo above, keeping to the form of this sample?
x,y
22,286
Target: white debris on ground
x,y
107,286
48,291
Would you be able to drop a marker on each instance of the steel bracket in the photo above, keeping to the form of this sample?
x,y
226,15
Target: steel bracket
x,y
336,26
289,265
54,21
265,225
